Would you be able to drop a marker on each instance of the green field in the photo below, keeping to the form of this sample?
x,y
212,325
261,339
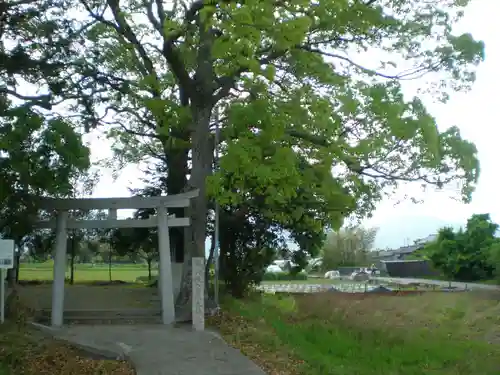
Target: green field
x,y
123,272
86,272
429,334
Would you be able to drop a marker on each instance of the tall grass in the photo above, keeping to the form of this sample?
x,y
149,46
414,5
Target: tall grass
x,y
433,333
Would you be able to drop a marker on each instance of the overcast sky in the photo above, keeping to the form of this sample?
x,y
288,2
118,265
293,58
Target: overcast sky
x,y
475,113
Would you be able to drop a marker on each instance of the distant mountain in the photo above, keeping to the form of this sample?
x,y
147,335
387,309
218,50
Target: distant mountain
x,y
404,230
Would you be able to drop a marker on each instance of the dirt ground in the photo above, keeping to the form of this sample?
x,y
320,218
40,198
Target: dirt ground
x,y
85,297
27,351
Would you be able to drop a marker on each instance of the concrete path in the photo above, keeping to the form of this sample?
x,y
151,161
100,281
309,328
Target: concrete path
x,y
161,350
455,284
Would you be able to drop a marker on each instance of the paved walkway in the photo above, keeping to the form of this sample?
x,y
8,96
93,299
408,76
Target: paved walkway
x,y
454,284
161,350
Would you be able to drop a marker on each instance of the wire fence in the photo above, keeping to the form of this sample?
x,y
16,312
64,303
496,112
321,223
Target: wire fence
x,y
365,287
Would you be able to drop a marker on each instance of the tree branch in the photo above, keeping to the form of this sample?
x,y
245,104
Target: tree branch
x,y
42,101
125,30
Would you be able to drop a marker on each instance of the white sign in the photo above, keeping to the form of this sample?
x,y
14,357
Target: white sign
x,y
6,254
2,295
6,262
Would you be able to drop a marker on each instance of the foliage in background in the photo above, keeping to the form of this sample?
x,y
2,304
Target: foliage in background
x,y
140,244
248,244
257,230
495,259
38,157
284,276
468,254
40,152
348,247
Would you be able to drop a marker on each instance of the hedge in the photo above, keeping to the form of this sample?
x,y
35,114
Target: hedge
x,y
145,279
268,276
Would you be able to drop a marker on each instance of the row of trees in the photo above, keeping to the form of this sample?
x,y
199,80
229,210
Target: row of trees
x,y
348,247
306,134
471,253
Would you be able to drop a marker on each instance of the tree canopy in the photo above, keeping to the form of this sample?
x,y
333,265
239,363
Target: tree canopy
x,y
40,152
348,247
469,254
289,98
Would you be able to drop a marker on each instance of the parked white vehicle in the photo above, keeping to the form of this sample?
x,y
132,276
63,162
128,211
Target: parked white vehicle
x,y
273,268
332,275
285,265
372,271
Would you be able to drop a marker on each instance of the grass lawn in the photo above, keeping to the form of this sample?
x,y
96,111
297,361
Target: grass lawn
x,y
335,334
84,272
127,272
490,282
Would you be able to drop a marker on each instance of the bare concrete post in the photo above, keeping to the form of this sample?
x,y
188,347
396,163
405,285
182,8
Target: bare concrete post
x,y
198,295
59,270
165,283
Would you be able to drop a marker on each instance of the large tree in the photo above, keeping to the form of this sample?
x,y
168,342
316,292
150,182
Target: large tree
x,y
348,247
40,153
468,254
287,88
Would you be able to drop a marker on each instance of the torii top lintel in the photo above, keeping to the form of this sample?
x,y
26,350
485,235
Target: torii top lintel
x,y
173,201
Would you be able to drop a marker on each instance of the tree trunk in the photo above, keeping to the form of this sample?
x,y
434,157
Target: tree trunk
x,y
109,265
72,261
13,273
202,158
17,257
209,261
149,260
177,167
183,299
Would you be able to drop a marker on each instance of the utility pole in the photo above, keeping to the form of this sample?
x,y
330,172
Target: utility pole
x,y
216,219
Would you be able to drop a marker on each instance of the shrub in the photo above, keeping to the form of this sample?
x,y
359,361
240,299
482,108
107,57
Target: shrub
x,y
145,279
284,276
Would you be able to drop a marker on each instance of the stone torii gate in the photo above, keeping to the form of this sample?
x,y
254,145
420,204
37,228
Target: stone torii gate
x,y
162,221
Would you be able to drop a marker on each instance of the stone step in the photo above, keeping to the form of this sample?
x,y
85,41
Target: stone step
x,y
108,316
106,312
103,320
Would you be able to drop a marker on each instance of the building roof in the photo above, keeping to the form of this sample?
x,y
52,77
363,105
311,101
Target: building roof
x,y
409,249
401,251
